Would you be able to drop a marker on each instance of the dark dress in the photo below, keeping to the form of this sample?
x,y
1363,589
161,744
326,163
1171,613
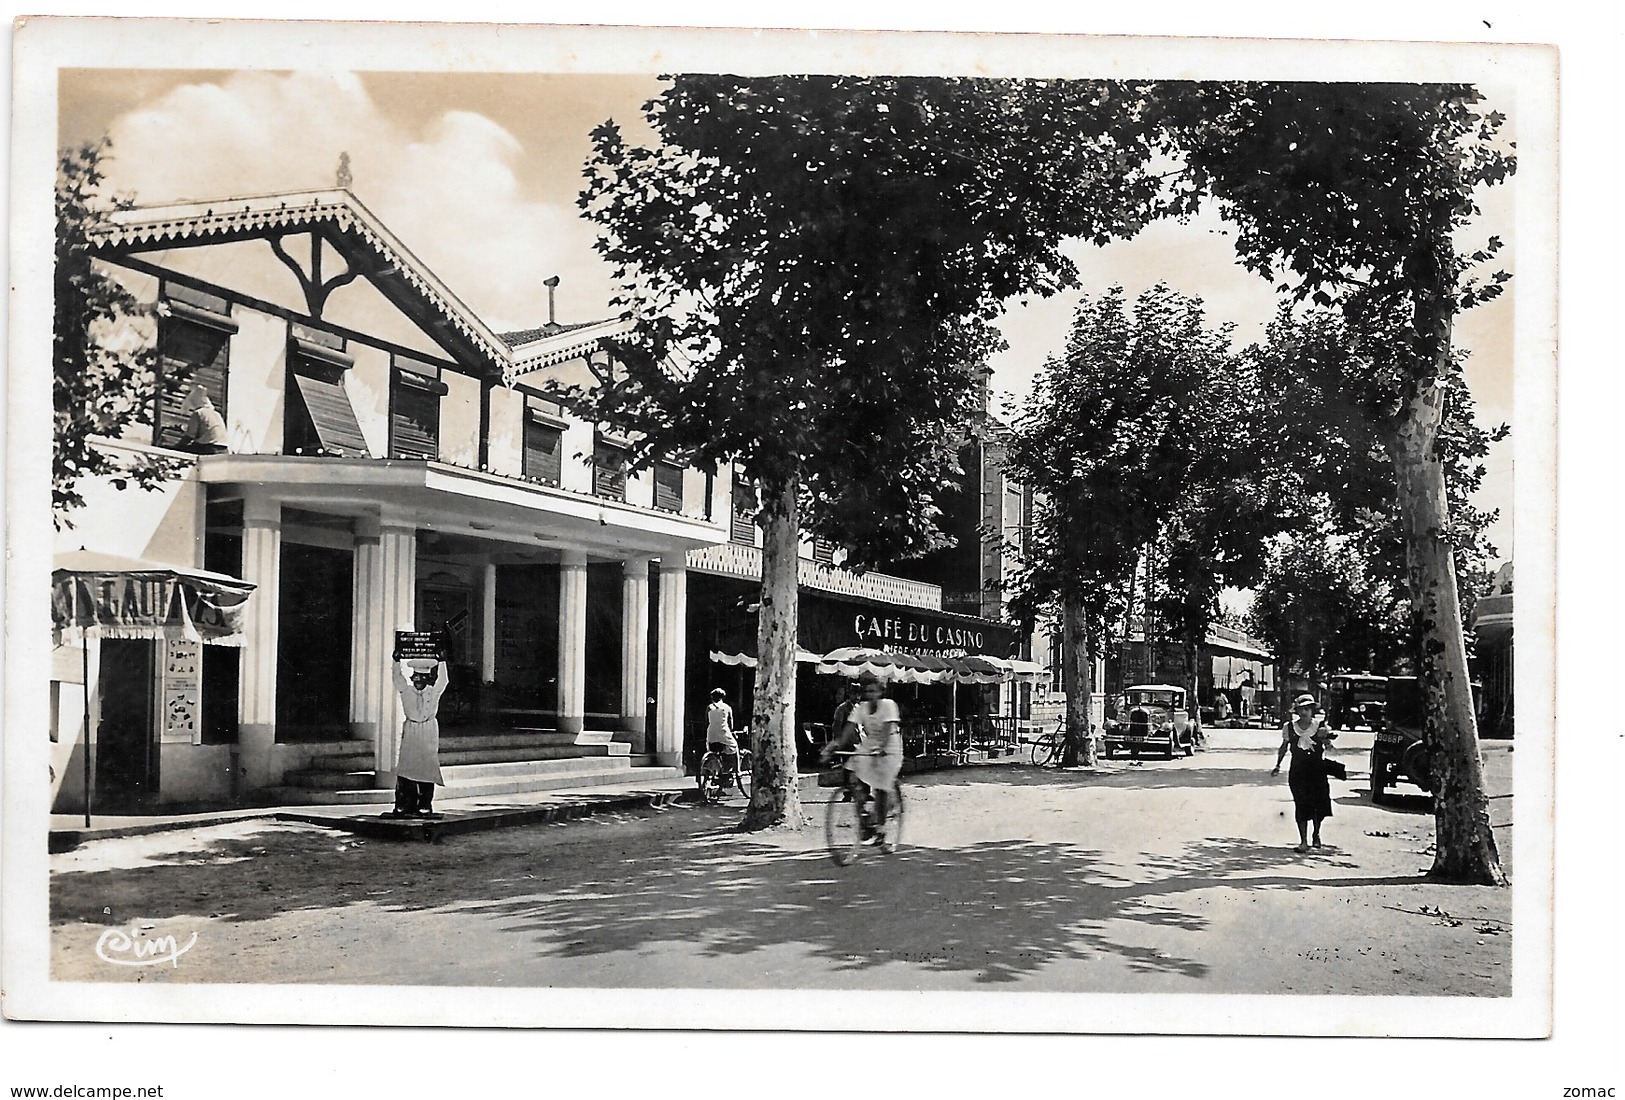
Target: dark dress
x,y
1306,777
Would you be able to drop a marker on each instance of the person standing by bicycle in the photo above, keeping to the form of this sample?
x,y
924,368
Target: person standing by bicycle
x,y
719,734
878,757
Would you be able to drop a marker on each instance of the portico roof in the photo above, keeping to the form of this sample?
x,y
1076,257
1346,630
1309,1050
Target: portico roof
x,y
452,499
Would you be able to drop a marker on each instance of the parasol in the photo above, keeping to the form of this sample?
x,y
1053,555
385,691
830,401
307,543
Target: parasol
x,y
884,665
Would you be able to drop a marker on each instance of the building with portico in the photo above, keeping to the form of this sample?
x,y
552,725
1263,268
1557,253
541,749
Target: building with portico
x,y
391,461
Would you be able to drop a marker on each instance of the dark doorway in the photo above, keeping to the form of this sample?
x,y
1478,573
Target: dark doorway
x,y
126,748
222,665
605,625
527,630
313,644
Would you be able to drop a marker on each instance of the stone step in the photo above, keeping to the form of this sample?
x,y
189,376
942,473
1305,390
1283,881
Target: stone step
x,y
609,770
335,773
487,739
576,765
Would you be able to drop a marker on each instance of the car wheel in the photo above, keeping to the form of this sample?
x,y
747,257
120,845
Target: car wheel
x,y
1173,744
1190,746
1376,784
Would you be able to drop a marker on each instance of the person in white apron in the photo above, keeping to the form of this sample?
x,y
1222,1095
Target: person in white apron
x,y
417,764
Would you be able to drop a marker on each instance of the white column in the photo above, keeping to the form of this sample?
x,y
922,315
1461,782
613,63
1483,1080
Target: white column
x,y
256,688
395,591
369,652
572,641
488,623
635,651
670,660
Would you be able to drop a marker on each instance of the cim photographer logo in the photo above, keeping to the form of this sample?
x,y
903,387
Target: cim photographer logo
x,y
138,946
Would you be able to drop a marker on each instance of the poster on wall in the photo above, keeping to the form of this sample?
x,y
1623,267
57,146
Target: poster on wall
x,y
182,694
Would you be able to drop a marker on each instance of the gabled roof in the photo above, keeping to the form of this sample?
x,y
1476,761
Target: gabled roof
x,y
340,218
552,344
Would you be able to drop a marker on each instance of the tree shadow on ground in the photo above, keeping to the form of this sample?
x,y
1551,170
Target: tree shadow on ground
x,y
996,910
1154,775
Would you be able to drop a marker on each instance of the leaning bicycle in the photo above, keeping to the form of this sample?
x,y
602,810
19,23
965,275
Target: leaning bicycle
x,y
850,822
1047,747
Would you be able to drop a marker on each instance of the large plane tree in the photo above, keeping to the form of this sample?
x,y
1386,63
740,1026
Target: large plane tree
x,y
814,263
1356,196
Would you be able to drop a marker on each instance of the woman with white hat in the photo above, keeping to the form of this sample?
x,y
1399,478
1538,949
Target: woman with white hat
x,y
1306,738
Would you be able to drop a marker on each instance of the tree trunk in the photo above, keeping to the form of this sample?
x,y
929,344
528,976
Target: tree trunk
x,y
1465,848
1076,676
775,797
1190,653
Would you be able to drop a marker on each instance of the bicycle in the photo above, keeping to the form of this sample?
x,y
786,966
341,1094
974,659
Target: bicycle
x,y
1046,750
714,776
849,822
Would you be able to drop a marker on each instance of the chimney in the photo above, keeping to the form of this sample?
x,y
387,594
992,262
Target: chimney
x,y
552,284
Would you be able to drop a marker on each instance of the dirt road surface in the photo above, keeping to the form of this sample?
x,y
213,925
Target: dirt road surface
x,y
1159,877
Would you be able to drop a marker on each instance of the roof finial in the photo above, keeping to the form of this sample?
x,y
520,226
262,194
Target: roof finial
x,y
344,179
551,284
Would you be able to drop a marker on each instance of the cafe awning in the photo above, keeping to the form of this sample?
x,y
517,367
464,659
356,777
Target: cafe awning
x,y
722,658
106,596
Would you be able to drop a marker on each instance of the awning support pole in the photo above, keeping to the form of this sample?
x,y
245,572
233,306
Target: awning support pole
x,y
84,682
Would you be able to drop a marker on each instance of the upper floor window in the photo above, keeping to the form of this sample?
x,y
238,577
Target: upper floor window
x,y
608,469
823,551
194,350
668,486
414,409
544,443
318,418
742,523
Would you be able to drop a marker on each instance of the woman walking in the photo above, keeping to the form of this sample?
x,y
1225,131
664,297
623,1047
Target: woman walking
x,y
1306,738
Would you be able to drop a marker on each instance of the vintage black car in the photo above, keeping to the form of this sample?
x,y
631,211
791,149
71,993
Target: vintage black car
x,y
1154,718
1355,700
1400,748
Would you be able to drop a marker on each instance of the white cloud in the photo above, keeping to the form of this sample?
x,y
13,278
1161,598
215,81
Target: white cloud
x,y
448,188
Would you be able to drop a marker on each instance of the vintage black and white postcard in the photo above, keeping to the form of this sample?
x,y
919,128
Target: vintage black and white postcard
x,y
571,527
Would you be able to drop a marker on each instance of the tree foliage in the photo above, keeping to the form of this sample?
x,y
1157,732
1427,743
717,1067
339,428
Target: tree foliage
x,y
1324,607
1123,433
103,373
1311,373
1356,196
814,263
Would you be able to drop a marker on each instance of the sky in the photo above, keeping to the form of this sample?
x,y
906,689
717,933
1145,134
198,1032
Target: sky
x,y
477,173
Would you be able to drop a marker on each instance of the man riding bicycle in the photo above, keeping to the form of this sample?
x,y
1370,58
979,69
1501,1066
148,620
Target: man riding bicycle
x,y
875,725
719,735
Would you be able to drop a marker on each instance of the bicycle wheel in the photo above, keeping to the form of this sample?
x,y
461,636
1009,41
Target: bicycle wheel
x,y
1046,751
747,780
841,829
709,778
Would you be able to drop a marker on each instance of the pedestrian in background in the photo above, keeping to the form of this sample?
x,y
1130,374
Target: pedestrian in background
x,y
204,430
1248,690
1305,737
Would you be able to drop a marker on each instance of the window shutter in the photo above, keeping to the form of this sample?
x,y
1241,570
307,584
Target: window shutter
x,y
608,472
742,525
414,428
190,354
330,416
823,551
668,487
544,451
